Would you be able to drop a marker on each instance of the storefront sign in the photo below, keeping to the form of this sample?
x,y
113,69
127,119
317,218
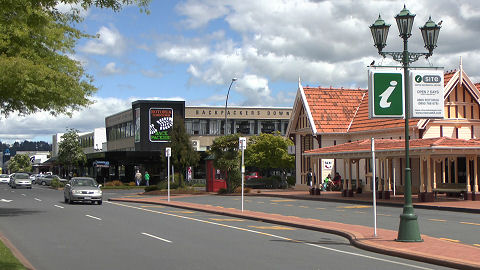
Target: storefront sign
x,y
327,164
101,164
427,94
386,93
160,124
137,125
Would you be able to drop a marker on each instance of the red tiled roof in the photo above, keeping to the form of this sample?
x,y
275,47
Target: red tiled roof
x,y
333,108
447,76
386,144
363,123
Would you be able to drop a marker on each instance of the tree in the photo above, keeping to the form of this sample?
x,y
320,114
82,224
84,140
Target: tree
x,y
36,72
227,159
269,151
183,154
20,163
70,152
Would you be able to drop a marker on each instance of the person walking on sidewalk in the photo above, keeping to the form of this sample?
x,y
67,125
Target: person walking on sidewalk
x,y
138,178
147,179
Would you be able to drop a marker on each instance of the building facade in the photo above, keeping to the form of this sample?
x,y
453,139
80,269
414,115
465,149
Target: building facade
x,y
332,130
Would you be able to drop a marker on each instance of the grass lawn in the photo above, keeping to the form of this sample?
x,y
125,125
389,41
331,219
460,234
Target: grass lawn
x,y
7,260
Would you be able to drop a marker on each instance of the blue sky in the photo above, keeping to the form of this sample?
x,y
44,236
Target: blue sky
x,y
191,50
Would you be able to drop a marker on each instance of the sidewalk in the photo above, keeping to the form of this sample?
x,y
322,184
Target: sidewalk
x,y
442,202
431,250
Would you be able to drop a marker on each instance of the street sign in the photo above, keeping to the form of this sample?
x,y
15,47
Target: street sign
x,y
386,93
32,159
242,143
427,98
168,152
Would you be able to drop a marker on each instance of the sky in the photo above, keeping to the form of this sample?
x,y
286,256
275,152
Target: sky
x,y
190,50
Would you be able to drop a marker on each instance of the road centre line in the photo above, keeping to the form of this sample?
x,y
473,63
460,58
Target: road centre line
x,y
470,223
58,206
97,218
439,220
156,237
37,199
477,245
23,194
271,235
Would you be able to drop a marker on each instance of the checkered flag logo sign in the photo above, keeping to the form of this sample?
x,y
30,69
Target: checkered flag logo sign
x,y
152,129
165,123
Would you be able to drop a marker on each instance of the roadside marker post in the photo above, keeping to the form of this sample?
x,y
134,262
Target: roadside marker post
x,y
374,187
242,144
168,154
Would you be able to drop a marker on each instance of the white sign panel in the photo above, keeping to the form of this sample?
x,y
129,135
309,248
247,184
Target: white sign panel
x,y
168,152
427,93
242,143
327,164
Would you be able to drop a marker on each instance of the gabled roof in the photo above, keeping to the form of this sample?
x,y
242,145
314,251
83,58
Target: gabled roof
x,y
361,122
337,108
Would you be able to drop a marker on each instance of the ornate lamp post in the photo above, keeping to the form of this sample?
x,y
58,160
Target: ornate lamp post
x,y
408,230
226,102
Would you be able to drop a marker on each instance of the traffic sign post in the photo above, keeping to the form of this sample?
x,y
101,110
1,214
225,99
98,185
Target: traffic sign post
x,y
386,93
242,144
168,154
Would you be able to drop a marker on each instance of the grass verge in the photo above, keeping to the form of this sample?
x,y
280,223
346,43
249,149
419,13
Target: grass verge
x,y
7,260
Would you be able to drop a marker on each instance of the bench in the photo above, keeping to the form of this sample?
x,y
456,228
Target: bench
x,y
450,188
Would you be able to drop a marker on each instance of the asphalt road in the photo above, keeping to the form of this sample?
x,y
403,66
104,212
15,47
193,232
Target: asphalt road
x,y
54,235
453,226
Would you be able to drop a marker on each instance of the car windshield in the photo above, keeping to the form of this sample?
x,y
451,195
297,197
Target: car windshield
x,y
84,182
3,175
21,176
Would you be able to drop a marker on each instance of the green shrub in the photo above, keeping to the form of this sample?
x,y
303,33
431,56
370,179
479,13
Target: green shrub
x,y
291,180
117,183
151,188
56,183
222,191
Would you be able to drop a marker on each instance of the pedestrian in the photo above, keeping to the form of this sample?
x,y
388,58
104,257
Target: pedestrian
x,y
309,177
147,178
138,178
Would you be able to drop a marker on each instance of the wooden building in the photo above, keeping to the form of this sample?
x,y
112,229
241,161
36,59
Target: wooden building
x,y
332,133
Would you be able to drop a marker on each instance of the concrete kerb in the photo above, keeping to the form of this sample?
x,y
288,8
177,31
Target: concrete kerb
x,y
354,238
16,253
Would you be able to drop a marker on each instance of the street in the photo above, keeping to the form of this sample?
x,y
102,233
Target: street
x,y
54,235
452,226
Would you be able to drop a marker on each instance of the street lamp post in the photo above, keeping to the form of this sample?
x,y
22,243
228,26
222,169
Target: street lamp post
x,y
226,102
408,230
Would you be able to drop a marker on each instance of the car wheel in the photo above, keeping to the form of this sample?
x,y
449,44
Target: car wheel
x,y
43,183
99,202
33,182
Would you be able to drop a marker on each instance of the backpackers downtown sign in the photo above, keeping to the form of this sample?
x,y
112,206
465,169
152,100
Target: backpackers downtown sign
x,y
160,124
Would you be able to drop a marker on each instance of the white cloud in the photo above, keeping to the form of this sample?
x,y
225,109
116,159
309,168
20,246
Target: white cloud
x,y
44,125
70,8
111,69
110,42
327,43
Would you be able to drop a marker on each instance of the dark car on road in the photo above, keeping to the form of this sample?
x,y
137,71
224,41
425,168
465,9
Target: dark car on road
x,y
82,189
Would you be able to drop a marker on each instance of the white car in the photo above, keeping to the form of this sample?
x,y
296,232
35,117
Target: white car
x,y
4,178
21,180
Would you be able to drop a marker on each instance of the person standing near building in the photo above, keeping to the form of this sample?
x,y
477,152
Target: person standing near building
x,y
147,179
138,177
